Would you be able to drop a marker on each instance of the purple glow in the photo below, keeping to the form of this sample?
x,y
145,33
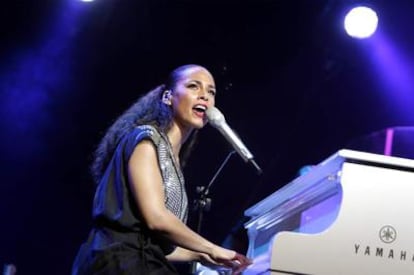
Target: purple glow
x,y
388,142
393,73
361,22
34,83
320,217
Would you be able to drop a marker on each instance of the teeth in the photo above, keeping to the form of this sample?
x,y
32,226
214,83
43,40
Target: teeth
x,y
200,107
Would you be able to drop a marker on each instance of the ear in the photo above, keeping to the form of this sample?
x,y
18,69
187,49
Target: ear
x,y
166,97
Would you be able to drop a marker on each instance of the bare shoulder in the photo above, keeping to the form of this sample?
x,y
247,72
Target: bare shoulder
x,y
144,151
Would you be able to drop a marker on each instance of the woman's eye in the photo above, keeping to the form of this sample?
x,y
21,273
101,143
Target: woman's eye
x,y
192,86
212,92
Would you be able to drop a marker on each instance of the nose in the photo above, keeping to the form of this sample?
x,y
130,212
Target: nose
x,y
203,95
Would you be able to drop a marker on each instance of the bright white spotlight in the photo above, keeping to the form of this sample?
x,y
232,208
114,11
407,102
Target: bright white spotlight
x,y
361,22
87,0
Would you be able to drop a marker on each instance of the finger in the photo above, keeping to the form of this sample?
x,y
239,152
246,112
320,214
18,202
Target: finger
x,y
208,260
238,269
240,262
229,263
242,259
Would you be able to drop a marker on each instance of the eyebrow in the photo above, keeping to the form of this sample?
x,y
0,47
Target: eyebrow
x,y
199,83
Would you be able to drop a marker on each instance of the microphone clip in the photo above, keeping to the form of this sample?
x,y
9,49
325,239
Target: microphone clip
x,y
203,202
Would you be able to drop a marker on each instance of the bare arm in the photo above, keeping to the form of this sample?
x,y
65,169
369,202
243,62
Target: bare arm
x,y
184,255
147,187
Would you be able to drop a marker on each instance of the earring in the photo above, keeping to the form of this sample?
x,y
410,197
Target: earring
x,y
166,97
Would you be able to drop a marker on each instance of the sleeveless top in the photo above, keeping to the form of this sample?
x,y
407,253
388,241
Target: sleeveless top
x,y
115,213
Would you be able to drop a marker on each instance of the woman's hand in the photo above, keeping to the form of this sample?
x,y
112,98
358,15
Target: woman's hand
x,y
230,259
242,262
237,264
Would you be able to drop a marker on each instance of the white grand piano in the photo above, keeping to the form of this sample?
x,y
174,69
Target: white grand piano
x,y
352,214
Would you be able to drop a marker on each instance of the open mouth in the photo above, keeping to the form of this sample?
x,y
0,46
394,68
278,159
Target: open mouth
x,y
200,110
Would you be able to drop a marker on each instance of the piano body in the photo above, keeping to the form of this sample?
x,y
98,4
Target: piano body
x,y
350,215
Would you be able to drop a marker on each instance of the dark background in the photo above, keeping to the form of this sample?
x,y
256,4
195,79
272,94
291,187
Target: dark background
x,y
292,84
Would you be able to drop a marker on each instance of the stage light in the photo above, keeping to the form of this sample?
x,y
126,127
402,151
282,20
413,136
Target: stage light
x,y
361,22
87,0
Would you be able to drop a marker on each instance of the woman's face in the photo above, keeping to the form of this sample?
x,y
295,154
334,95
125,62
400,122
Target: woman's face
x,y
193,94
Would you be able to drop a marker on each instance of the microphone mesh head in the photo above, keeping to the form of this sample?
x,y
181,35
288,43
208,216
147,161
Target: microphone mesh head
x,y
214,116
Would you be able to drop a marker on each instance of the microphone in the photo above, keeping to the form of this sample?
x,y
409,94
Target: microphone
x,y
217,120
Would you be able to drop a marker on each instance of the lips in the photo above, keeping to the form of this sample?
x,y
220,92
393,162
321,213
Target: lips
x,y
199,110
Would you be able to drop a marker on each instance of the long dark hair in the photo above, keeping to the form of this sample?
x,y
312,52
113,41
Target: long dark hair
x,y
148,109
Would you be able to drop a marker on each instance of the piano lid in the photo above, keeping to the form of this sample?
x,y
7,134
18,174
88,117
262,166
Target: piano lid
x,y
327,168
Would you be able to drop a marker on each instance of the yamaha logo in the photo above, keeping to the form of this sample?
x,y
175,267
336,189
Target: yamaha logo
x,y
387,234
